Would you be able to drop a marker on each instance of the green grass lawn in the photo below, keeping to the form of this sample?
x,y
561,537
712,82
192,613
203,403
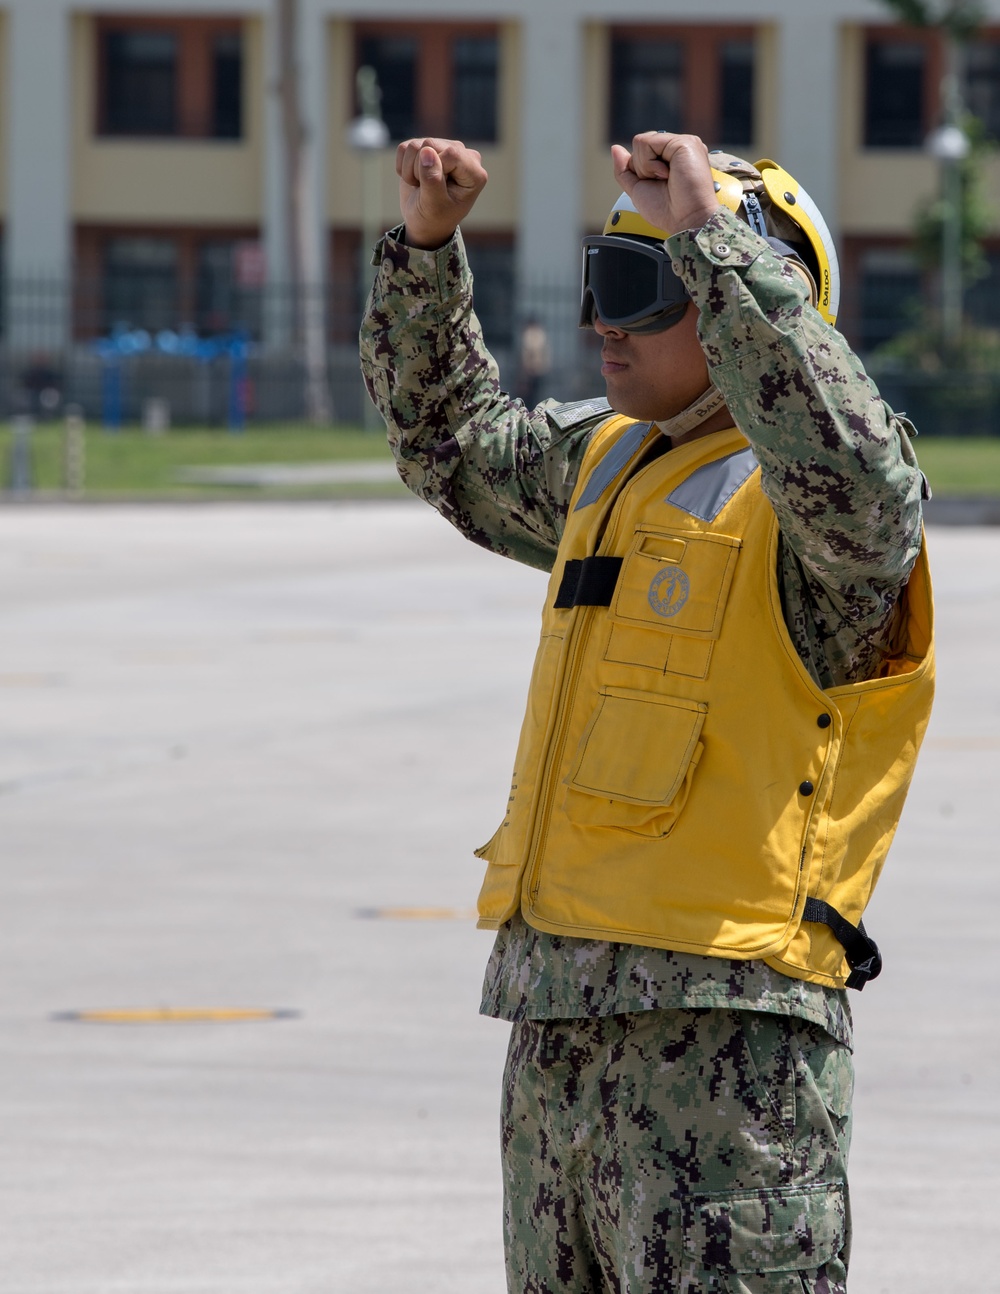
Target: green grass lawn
x,y
960,465
133,463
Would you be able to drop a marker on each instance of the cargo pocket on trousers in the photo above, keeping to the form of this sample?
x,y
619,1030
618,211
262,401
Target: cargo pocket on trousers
x,y
636,761
767,1241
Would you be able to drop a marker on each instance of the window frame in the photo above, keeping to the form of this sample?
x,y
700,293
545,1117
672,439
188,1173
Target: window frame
x,y
434,70
701,76
91,242
195,73
901,34
987,35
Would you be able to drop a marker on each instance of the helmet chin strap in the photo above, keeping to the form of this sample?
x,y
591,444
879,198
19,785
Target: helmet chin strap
x,y
707,404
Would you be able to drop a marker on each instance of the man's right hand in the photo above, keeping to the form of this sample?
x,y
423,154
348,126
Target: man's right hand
x,y
439,182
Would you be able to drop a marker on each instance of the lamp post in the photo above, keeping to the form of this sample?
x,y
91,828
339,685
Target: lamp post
x,y
949,144
368,135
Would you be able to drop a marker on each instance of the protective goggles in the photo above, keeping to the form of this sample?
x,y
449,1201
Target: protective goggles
x,y
629,284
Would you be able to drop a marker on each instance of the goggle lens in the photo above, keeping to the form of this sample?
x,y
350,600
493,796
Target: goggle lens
x,y
630,285
623,282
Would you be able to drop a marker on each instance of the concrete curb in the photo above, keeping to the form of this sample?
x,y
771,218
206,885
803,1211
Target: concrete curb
x,y
962,510
942,510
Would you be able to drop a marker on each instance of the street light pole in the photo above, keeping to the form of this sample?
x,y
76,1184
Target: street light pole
x,y
950,145
368,135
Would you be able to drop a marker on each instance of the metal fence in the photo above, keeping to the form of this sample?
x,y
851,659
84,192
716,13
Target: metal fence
x,y
121,358
945,404
131,360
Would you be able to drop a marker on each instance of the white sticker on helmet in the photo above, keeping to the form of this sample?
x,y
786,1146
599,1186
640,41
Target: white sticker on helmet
x,y
813,212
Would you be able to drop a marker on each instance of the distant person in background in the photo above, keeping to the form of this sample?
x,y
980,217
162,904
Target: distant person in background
x,y
536,362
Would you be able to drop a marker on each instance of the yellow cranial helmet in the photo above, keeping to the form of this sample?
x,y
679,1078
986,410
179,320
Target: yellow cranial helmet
x,y
627,278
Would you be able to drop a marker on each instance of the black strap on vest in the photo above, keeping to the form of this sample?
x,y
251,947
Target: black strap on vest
x,y
862,952
588,583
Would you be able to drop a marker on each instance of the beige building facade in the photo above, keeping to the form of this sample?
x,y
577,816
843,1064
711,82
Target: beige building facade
x,y
141,147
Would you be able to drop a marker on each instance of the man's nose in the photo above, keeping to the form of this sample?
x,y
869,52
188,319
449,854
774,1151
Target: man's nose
x,y
606,330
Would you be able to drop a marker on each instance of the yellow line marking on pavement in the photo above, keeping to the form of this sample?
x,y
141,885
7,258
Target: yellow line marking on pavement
x,y
175,1015
417,914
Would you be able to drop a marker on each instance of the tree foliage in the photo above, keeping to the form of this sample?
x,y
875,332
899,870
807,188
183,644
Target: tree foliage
x,y
976,212
960,19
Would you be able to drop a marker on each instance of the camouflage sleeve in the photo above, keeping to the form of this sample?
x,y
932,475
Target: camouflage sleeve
x,y
501,473
837,464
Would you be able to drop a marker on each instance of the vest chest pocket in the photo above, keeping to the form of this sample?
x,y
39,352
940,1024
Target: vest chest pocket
x,y
669,601
635,762
676,581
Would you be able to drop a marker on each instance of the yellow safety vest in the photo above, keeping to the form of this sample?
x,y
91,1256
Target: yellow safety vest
x,y
681,781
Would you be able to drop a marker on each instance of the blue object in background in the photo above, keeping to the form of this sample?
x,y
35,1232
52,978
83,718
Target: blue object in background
x,y
112,351
239,382
123,342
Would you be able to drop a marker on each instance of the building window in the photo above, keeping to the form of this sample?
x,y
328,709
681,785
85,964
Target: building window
x,y
736,92
227,86
476,67
896,110
492,263
140,282
229,286
692,79
982,83
982,298
209,281
435,78
141,84
647,87
890,292
170,79
394,59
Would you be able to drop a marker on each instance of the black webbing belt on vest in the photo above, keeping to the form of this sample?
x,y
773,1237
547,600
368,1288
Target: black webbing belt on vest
x,y
862,952
588,583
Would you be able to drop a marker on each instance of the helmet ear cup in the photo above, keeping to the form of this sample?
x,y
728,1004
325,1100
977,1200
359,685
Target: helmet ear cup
x,y
806,278
789,214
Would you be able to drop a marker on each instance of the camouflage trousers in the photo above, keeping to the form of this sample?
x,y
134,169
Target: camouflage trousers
x,y
676,1152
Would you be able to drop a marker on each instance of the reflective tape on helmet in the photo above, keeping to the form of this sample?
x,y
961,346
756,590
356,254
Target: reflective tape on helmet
x,y
785,193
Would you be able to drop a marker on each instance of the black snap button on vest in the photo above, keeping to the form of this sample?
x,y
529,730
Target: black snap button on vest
x,y
806,788
824,721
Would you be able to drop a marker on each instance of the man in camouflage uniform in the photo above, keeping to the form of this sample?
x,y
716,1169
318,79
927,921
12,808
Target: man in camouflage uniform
x,y
671,1121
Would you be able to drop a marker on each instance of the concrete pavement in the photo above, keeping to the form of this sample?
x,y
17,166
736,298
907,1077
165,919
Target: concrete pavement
x,y
228,731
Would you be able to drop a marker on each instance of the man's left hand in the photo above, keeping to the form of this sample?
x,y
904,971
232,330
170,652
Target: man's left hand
x,y
669,178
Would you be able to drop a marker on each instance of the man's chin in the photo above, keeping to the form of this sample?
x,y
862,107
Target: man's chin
x,y
621,402
630,409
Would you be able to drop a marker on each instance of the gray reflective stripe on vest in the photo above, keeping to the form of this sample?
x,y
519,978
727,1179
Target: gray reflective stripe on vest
x,y
707,491
612,463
